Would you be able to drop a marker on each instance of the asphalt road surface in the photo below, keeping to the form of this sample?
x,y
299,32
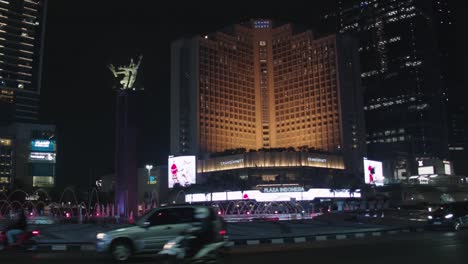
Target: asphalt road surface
x,y
427,248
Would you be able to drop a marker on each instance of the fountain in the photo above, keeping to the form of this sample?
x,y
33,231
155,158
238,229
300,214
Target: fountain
x,y
68,208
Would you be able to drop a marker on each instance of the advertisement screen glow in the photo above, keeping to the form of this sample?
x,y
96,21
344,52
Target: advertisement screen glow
x,y
259,196
182,170
42,156
448,169
426,170
43,145
373,172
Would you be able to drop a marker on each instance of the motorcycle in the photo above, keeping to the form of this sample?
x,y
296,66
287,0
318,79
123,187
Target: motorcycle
x,y
177,251
22,241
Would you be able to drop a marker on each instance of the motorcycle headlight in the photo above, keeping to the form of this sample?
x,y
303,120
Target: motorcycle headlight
x,y
429,217
101,236
448,216
169,245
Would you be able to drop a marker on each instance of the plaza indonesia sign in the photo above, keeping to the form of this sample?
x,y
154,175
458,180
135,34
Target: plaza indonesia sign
x,y
283,189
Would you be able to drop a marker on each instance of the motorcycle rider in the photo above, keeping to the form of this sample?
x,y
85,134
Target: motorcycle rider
x,y
17,227
203,231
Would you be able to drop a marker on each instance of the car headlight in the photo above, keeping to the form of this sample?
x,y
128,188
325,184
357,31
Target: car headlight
x,y
429,217
448,216
169,245
101,236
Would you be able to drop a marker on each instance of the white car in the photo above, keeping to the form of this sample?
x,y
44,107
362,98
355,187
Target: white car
x,y
154,229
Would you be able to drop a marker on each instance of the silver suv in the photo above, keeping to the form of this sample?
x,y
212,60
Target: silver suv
x,y
154,229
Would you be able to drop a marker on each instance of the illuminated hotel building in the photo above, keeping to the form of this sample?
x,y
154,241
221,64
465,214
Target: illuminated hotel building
x,y
21,40
264,88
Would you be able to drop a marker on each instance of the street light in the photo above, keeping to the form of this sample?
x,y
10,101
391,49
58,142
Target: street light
x,y
149,167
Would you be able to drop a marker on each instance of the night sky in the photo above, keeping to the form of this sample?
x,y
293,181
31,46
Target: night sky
x,y
83,37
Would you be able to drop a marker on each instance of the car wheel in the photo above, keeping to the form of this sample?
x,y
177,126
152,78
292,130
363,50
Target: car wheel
x,y
121,250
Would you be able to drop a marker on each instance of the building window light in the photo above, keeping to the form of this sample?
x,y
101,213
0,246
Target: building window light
x,y
413,63
369,73
394,39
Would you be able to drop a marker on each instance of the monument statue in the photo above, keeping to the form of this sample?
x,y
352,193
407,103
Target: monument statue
x,y
129,73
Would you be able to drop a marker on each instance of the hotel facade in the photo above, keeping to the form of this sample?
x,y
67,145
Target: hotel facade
x,y
268,103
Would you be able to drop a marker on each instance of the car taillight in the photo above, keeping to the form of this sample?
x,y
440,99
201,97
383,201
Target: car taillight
x,y
35,232
222,232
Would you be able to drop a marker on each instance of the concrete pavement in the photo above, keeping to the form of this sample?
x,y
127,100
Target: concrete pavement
x,y
424,247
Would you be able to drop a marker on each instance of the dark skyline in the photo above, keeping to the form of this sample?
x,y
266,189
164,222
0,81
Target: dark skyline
x,y
83,37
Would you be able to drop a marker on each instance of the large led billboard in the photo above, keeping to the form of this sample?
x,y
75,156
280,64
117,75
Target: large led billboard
x,y
259,196
182,170
43,145
373,172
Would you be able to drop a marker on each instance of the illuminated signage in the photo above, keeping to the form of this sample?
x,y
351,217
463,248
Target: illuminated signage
x,y
282,189
43,181
230,162
373,172
43,145
259,196
426,170
448,169
316,160
261,24
42,156
182,170
152,180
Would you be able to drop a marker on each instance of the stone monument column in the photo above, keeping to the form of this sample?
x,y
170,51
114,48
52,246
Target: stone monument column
x,y
126,171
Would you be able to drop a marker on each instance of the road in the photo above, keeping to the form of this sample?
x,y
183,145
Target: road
x,y
430,247
86,233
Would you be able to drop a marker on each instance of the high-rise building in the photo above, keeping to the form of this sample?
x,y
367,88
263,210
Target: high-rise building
x,y
6,161
260,86
22,25
402,53
27,156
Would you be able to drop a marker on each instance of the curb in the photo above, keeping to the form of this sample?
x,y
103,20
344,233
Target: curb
x,y
87,247
323,237
64,247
